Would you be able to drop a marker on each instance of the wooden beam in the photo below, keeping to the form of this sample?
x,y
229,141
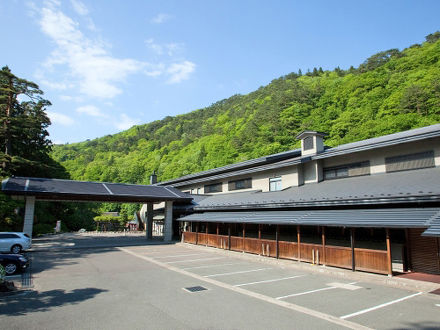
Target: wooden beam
x,y
229,236
218,229
298,238
197,233
277,238
259,231
323,245
408,251
389,260
353,261
244,236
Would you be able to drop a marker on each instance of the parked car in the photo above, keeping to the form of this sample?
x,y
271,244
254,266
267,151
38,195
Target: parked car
x,y
13,263
14,242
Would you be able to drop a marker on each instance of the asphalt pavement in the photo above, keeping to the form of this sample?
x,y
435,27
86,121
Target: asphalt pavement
x,y
130,285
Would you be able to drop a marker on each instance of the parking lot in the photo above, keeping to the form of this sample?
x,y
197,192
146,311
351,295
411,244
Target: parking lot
x,y
367,304
186,287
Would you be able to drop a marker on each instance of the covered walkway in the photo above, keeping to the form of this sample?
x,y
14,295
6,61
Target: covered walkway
x,y
43,189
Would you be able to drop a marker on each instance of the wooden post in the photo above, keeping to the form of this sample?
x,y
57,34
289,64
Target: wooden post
x,y
353,261
259,231
244,236
389,260
408,251
218,229
206,232
229,236
277,237
298,236
197,233
323,245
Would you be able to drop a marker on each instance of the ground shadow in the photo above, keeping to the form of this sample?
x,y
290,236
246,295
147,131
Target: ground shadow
x,y
43,259
44,301
421,326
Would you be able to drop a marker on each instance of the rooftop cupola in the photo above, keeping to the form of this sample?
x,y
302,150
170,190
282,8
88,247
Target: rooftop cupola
x,y
312,142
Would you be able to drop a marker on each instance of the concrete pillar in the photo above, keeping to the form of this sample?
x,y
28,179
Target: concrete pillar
x,y
168,222
149,221
29,215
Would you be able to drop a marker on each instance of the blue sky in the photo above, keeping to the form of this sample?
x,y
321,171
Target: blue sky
x,y
107,65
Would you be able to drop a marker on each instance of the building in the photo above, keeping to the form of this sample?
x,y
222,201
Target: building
x,y
371,205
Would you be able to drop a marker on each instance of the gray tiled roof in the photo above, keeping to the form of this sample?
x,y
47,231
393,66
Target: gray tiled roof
x,y
421,185
382,141
237,166
45,188
377,218
292,157
434,227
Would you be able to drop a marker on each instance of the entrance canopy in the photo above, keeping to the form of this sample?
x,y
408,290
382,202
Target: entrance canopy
x,y
69,190
32,189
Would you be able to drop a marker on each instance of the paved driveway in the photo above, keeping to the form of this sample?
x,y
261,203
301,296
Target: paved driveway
x,y
143,287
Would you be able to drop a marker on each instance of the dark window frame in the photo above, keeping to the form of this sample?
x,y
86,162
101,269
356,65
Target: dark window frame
x,y
346,167
208,187
416,156
240,184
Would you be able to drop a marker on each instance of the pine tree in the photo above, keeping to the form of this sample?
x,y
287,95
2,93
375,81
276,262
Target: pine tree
x,y
24,139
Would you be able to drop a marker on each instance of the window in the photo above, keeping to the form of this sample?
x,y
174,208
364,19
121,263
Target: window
x,y
410,161
308,143
212,188
345,171
240,184
274,184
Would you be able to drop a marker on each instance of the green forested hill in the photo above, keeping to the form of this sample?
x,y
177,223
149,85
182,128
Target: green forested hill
x,y
391,91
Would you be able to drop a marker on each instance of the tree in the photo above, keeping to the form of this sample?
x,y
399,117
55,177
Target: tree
x,y
433,37
23,133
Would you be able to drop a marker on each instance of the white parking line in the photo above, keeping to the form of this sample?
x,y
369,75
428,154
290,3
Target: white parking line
x,y
268,281
379,306
241,272
191,260
284,304
180,255
208,266
311,291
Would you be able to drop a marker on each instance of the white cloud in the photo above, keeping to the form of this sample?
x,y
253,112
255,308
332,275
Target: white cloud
x,y
125,122
160,18
59,118
180,71
66,98
170,48
97,73
91,110
79,7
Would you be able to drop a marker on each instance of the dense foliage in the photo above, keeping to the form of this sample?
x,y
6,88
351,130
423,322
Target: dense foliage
x,y
391,91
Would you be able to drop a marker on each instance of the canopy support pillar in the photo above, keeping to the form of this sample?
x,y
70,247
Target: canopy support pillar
x,y
149,221
168,222
29,215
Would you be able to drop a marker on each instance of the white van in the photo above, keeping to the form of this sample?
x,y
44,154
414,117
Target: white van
x,y
14,242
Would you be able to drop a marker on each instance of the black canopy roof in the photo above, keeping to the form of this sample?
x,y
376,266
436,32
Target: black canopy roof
x,y
69,190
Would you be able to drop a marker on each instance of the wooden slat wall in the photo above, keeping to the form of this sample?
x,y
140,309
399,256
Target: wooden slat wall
x,y
338,256
189,237
365,259
309,252
236,243
288,250
371,260
424,252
